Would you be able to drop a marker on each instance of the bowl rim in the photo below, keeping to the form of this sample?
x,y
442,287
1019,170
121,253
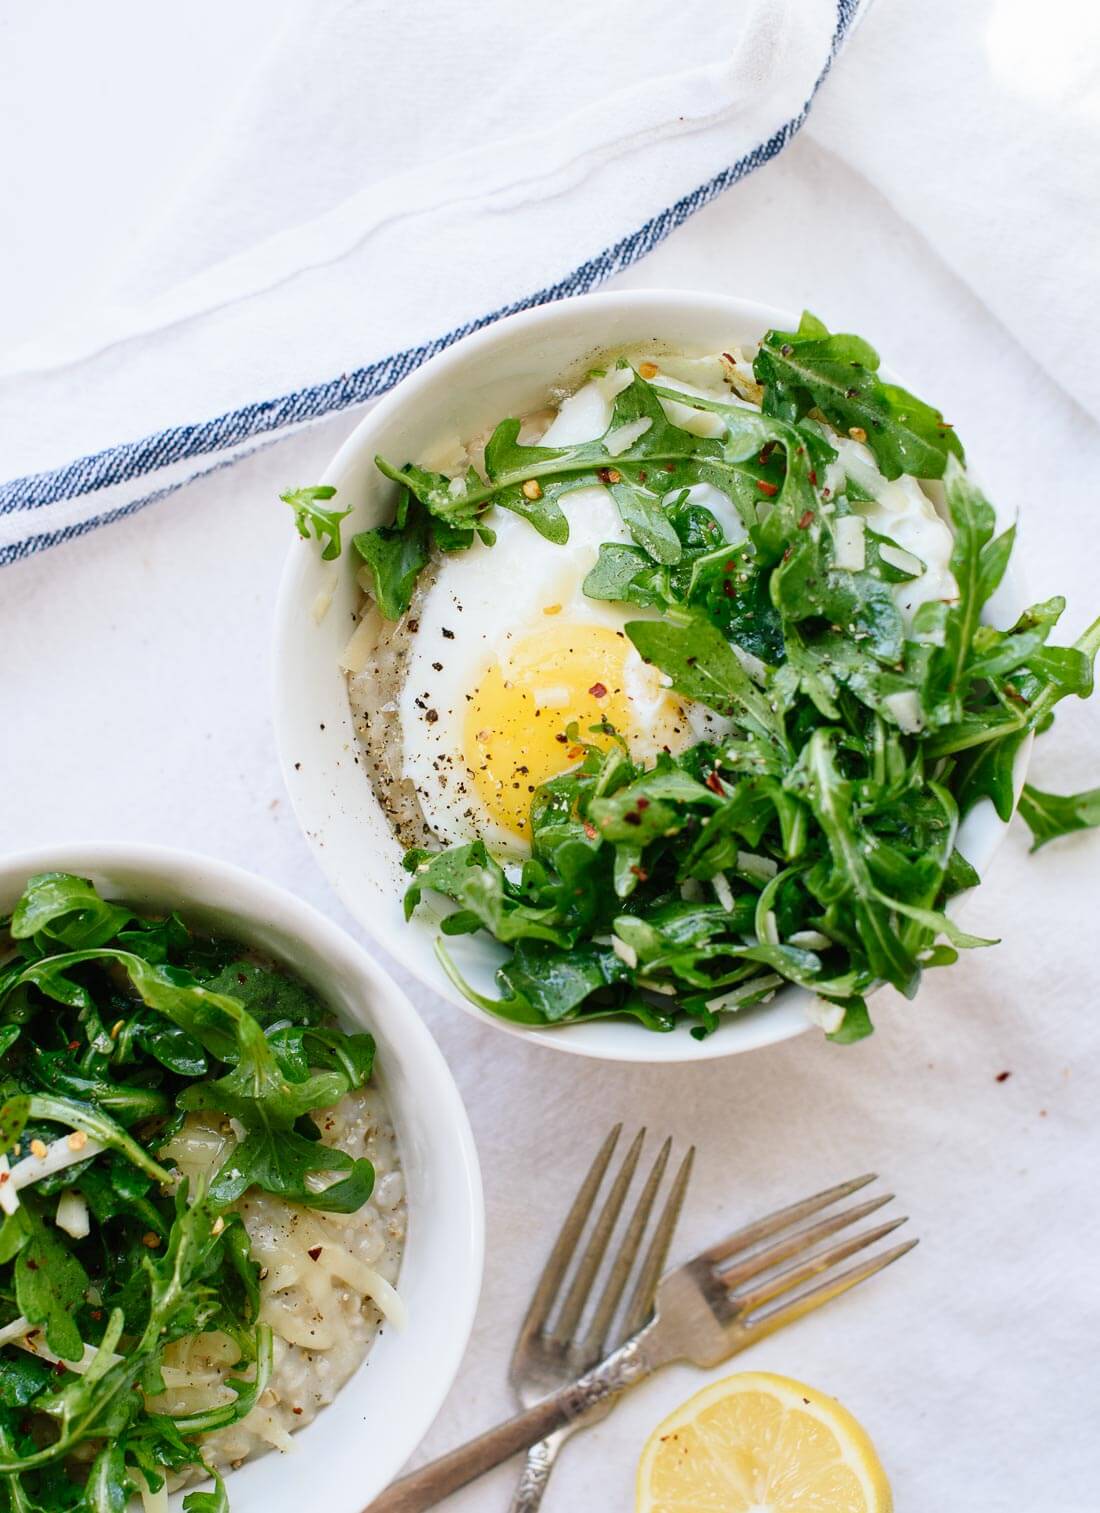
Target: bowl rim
x,y
386,1004
770,1025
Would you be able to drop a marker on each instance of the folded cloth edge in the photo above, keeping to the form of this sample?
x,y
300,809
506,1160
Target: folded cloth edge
x,y
166,451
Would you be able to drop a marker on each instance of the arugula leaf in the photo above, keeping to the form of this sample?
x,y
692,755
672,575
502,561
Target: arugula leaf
x,y
395,556
49,1285
703,666
474,881
13,1120
1050,815
855,1026
623,574
272,1155
208,1502
838,375
55,906
309,517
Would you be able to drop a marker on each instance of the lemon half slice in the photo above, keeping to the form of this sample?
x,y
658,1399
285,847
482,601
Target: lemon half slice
x,y
757,1443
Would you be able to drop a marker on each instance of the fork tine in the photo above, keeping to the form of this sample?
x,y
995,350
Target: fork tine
x,y
782,1219
793,1276
624,1260
797,1308
581,1285
799,1242
653,1263
553,1273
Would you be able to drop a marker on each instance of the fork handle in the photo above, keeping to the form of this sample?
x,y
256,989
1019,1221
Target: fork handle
x,y
535,1476
631,1363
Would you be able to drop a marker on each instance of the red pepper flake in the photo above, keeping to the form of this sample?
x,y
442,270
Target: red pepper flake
x,y
1002,1076
641,874
632,817
730,566
74,1045
590,830
812,475
643,804
562,737
598,691
771,489
60,1368
609,475
714,783
807,519
314,1252
728,588
296,1410
575,752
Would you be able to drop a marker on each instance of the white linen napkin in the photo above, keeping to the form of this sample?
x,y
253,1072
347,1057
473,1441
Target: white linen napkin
x,y
236,221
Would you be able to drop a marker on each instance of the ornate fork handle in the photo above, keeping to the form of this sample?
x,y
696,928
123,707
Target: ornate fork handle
x,y
535,1475
631,1363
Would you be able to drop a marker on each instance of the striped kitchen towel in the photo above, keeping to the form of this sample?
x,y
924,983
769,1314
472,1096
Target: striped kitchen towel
x,y
242,219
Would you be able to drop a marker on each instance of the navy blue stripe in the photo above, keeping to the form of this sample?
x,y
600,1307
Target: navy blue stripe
x,y
131,460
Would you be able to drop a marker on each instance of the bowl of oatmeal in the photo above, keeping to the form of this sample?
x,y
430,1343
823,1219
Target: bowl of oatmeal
x,y
335,1281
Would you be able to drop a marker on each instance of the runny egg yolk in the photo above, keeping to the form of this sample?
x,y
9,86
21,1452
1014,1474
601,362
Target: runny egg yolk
x,y
515,730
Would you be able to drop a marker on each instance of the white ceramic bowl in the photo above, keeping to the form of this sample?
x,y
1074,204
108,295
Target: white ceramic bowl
x,y
354,1447
507,369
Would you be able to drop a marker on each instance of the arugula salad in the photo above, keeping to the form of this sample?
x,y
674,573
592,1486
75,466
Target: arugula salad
x,y
164,1163
692,678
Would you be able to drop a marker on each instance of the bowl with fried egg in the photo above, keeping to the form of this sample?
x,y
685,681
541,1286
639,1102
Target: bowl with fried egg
x,y
496,669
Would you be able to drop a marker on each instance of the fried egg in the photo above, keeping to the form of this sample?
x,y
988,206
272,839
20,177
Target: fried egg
x,y
509,652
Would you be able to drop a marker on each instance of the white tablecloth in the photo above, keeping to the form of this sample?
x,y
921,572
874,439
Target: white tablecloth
x,y
135,706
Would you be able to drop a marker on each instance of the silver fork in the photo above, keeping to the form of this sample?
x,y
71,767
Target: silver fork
x,y
553,1350
712,1307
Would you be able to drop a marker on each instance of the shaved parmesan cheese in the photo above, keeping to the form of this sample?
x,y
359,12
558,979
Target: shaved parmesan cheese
x,y
15,1330
34,1343
624,437
849,544
654,986
752,865
736,996
898,557
9,1200
830,1016
552,696
906,709
363,641
323,601
722,891
72,1214
269,1429
341,1263
810,940
151,1502
59,1154
625,953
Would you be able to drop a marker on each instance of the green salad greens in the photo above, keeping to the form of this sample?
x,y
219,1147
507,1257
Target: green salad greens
x,y
816,844
113,1025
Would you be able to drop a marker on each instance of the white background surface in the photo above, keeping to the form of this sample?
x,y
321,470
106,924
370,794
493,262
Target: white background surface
x,y
135,705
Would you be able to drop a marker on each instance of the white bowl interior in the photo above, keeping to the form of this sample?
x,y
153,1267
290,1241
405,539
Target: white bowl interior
x,y
507,369
355,1446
